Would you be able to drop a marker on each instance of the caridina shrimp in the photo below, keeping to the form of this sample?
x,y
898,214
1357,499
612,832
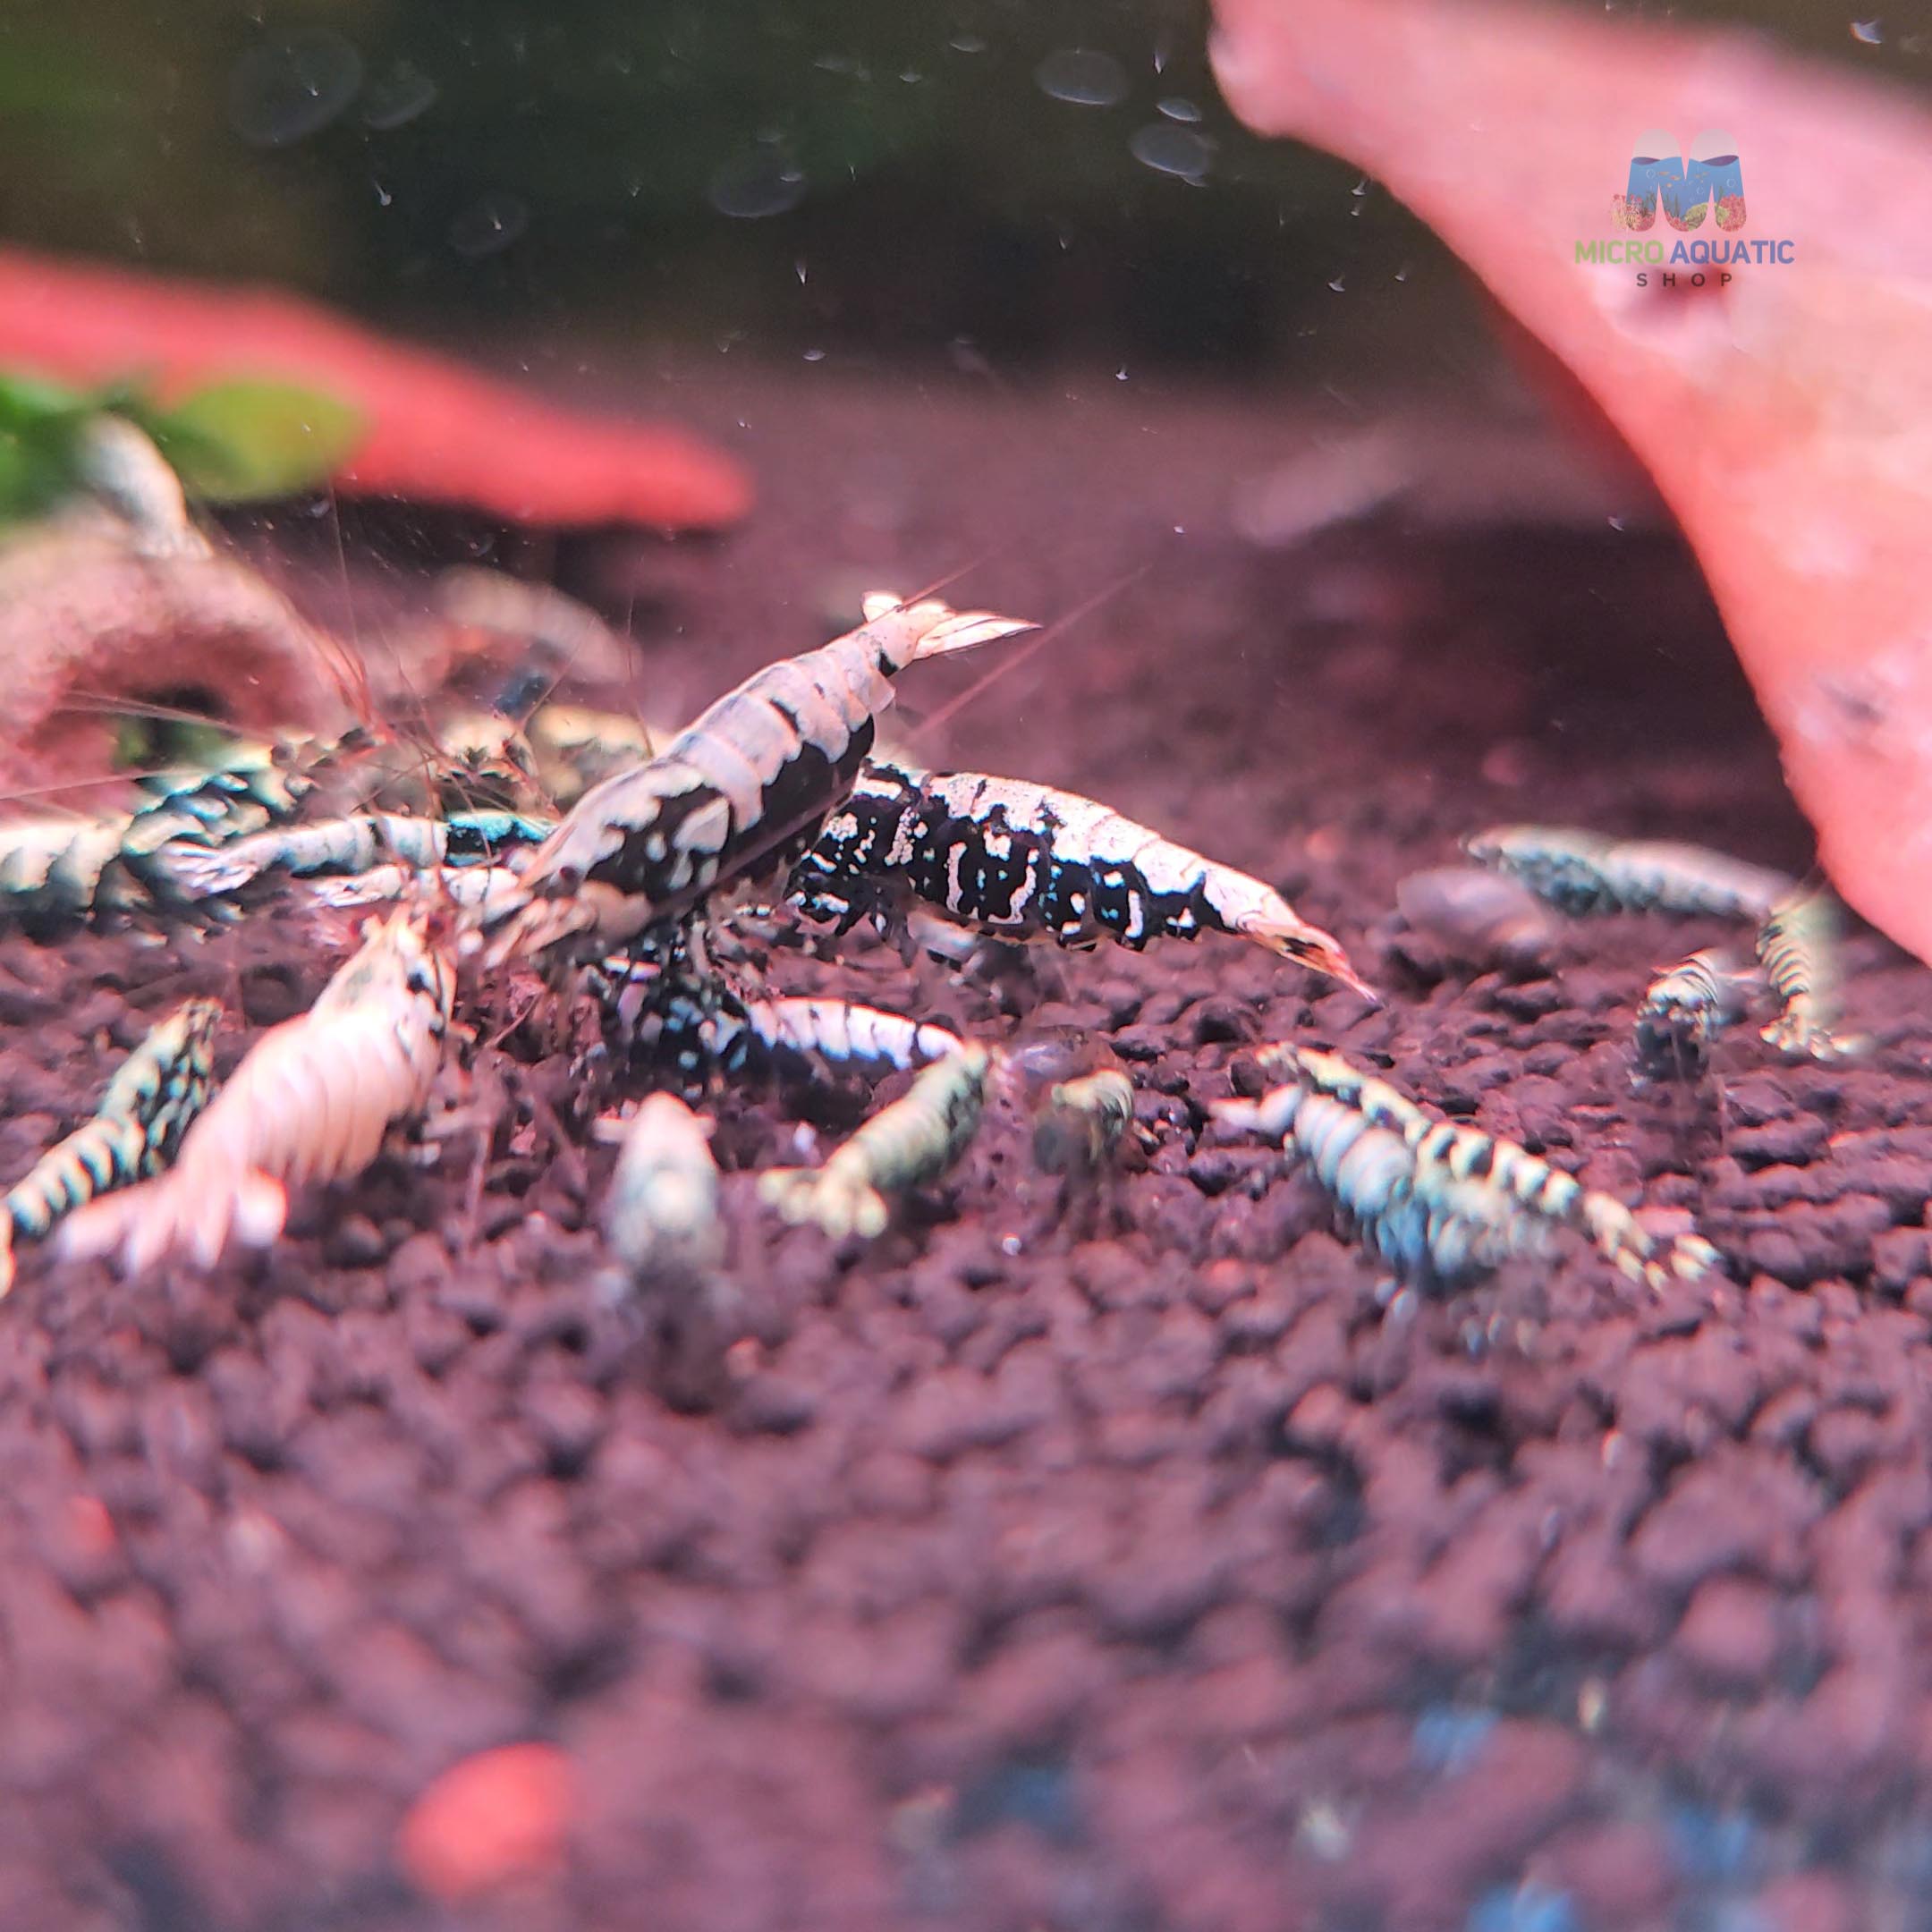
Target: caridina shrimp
x,y
312,1101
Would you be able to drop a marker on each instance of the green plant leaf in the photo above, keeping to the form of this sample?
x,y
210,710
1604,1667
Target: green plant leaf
x,y
245,441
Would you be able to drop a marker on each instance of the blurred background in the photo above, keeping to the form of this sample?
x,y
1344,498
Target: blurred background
x,y
981,185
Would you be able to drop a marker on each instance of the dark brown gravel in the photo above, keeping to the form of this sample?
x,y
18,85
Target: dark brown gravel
x,y
1122,1560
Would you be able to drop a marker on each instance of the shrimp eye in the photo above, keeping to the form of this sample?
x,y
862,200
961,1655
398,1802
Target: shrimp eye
x,y
419,980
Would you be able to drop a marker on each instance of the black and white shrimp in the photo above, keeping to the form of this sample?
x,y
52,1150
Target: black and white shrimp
x,y
1466,1155
841,1031
1432,1229
913,1141
1684,1010
1027,861
353,846
1581,873
735,793
1797,948
58,868
158,1091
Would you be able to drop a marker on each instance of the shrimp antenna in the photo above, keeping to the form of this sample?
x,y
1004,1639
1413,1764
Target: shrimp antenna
x,y
1011,660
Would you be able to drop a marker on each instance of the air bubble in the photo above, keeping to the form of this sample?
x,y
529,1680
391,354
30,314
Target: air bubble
x,y
1169,149
755,185
489,225
282,92
1082,78
1871,31
1178,107
398,98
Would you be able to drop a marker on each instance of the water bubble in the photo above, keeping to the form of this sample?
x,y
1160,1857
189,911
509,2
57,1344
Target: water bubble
x,y
282,92
1082,78
1169,149
755,185
490,223
1178,107
1871,31
398,98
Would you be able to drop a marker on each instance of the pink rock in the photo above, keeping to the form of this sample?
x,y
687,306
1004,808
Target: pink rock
x,y
1786,416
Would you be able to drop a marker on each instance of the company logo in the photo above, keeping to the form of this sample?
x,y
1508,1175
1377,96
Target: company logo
x,y
1684,190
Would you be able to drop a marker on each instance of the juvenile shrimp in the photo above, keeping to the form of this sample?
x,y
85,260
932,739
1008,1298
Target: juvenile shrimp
x,y
661,1216
732,793
1027,861
1082,1122
158,1091
1582,873
1798,947
1684,1010
913,1141
311,1101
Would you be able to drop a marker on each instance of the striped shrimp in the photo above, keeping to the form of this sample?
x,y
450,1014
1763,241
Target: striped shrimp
x,y
1081,1123
1684,1010
733,794
1026,861
913,1141
258,783
661,1216
57,868
354,845
311,1101
1431,1228
1581,873
839,1030
158,1090
60,867
1466,1155
1797,948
